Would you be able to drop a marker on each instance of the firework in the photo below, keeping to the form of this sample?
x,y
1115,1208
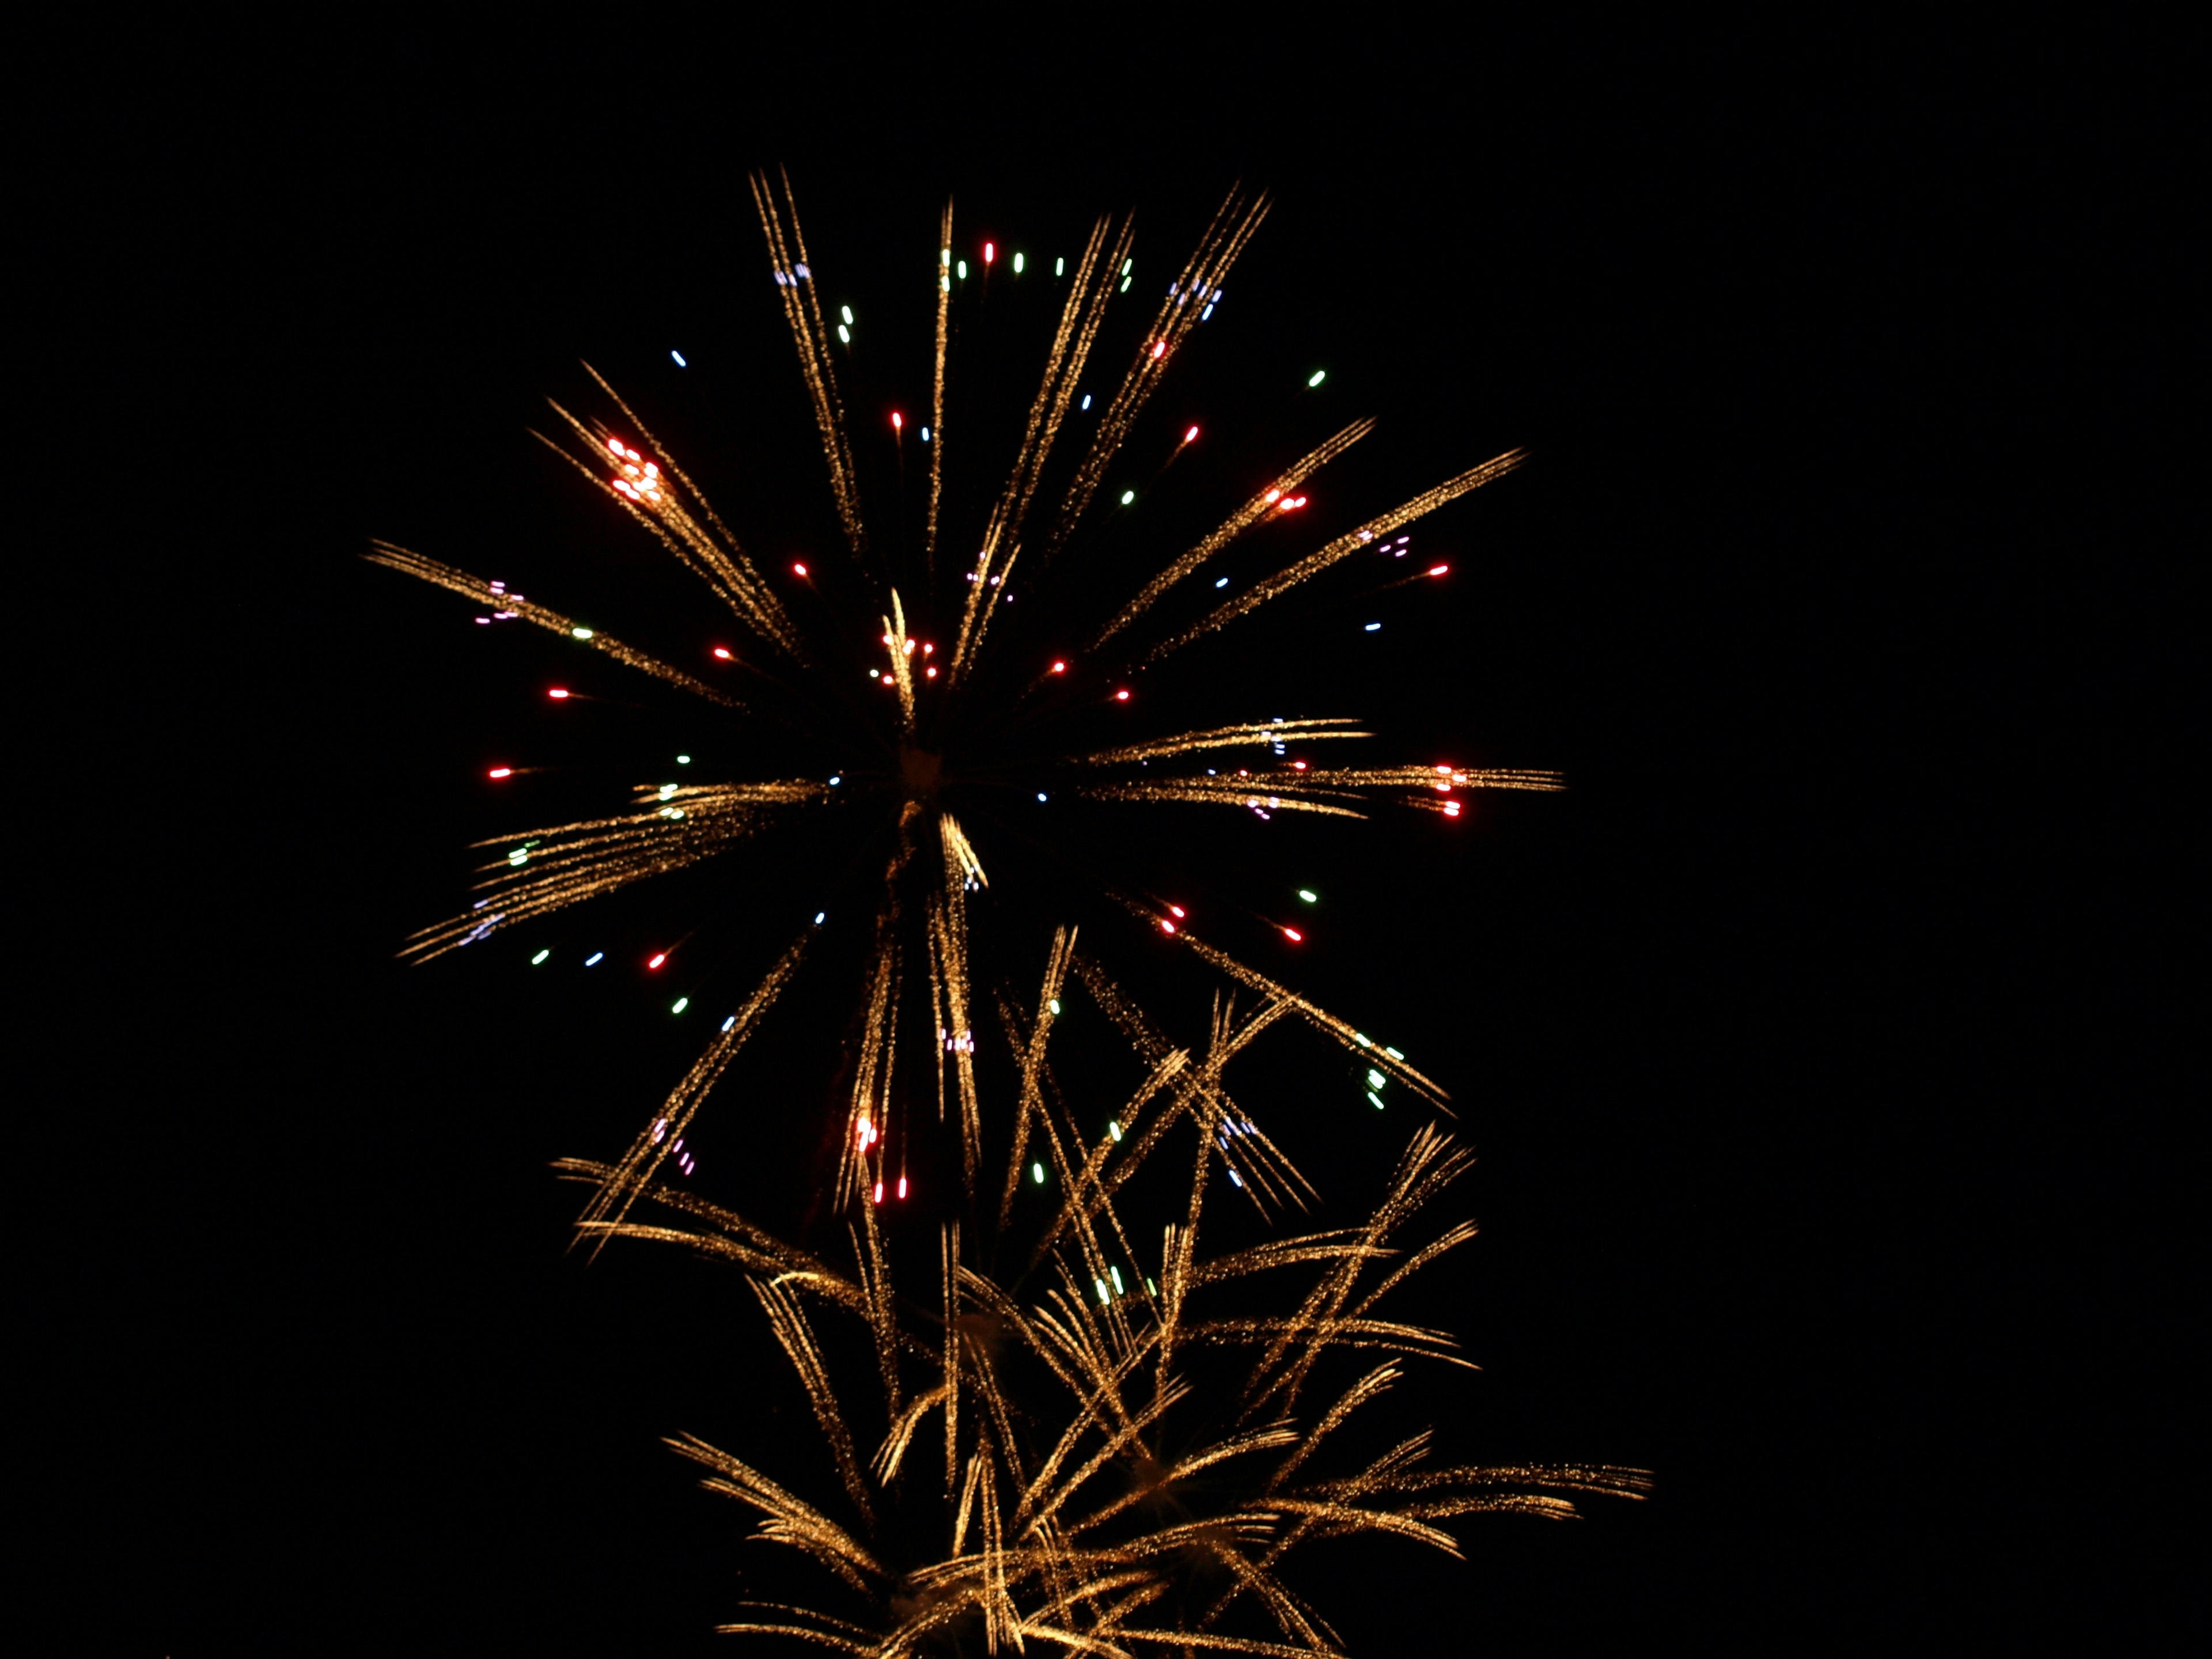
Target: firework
x,y
964,706
1135,1436
1082,1372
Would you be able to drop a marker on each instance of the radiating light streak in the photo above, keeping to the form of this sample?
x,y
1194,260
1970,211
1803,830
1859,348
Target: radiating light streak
x,y
539,957
1341,548
682,1003
459,581
595,958
680,363
1309,896
1320,375
501,772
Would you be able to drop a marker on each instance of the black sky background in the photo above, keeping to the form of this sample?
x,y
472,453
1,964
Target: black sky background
x,y
353,1395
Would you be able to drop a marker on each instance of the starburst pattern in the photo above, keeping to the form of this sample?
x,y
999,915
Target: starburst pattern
x,y
1135,1436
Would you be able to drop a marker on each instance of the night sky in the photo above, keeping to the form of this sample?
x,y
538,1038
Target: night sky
x,y
358,1396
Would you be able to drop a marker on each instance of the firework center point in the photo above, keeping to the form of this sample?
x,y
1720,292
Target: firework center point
x,y
920,769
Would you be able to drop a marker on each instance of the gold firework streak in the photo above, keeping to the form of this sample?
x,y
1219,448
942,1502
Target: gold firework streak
x,y
1302,790
1234,221
866,1131
1213,791
1319,1017
902,650
651,497
1251,734
936,379
659,1139
1080,320
1237,523
477,588
546,869
1342,547
794,280
1028,1108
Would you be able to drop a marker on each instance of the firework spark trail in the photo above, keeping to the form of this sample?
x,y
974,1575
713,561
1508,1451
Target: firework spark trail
x,y
1320,1017
796,1337
1305,790
1250,733
795,285
871,1077
1028,1108
638,489
948,940
477,588
1342,547
1237,523
552,868
937,380
1429,1165
902,650
1224,239
729,1236
1210,792
1080,317
611,1204
882,1319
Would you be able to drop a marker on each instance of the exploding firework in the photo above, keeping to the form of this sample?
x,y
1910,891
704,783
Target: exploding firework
x,y
923,745
924,711
1133,1439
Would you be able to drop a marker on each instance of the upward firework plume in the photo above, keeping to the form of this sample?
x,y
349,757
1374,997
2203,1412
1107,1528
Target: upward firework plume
x,y
933,757
1134,1435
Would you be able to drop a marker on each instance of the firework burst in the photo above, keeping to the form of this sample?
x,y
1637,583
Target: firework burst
x,y
925,708
1134,1436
